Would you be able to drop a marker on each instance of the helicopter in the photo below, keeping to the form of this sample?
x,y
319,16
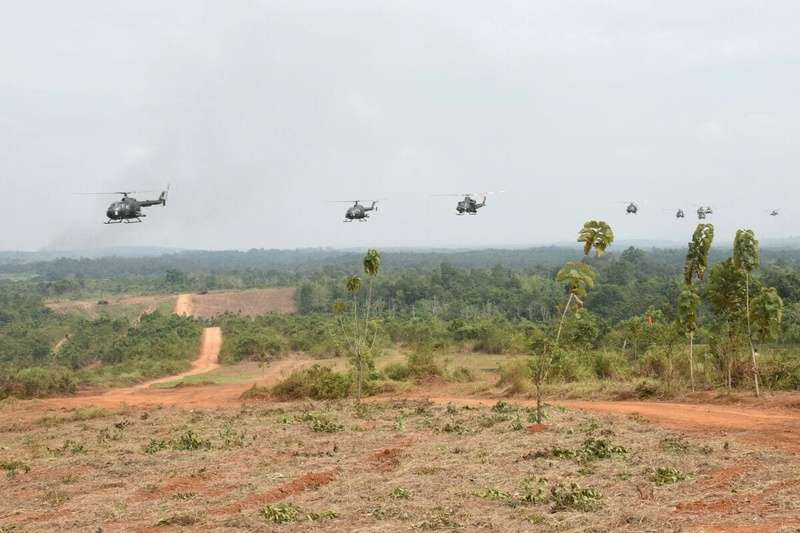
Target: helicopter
x,y
703,210
679,213
469,204
632,209
774,213
129,209
359,212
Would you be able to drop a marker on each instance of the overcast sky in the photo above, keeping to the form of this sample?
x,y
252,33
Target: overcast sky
x,y
260,112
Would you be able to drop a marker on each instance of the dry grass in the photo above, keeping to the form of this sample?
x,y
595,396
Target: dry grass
x,y
394,466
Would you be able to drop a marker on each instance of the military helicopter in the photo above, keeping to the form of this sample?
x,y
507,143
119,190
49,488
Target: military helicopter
x,y
679,213
359,212
129,209
470,204
632,209
703,210
774,213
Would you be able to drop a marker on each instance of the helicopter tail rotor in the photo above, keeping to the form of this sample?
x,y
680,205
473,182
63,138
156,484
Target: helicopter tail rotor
x,y
163,196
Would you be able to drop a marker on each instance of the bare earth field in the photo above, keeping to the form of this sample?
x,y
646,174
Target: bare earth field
x,y
197,457
250,303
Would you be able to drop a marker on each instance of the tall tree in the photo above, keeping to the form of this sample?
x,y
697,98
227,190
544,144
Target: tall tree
x,y
689,301
745,258
596,235
361,335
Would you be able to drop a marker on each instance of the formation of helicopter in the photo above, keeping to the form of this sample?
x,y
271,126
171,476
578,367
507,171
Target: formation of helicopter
x,y
702,210
128,210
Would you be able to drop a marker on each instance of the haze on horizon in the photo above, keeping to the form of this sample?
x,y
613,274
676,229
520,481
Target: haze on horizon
x,y
260,112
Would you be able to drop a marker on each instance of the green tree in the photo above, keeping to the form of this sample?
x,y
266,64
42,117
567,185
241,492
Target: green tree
x,y
745,258
766,312
597,235
697,256
689,301
361,334
726,294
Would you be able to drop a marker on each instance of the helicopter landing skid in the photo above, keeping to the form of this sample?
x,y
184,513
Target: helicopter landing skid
x,y
125,220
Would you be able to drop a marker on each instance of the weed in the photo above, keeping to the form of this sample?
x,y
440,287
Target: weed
x,y
190,442
326,426
675,443
666,475
428,471
184,496
324,515
280,513
54,498
457,428
504,407
534,491
12,467
70,446
494,494
155,445
572,497
401,493
109,434
231,439
592,450
69,479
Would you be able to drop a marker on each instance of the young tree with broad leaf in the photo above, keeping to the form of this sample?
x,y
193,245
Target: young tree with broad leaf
x,y
745,258
361,338
596,235
689,300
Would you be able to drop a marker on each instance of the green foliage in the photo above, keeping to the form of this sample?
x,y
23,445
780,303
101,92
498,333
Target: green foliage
x,y
11,468
745,250
401,493
697,256
281,513
666,475
573,497
316,382
36,382
580,277
591,450
766,313
596,234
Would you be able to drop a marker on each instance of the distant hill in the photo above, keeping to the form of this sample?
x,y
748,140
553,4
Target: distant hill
x,y
115,262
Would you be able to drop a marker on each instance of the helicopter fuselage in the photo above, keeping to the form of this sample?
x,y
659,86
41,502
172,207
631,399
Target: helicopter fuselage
x,y
358,212
469,205
129,210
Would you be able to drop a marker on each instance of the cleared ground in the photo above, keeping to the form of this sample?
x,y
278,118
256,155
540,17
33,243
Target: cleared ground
x,y
438,456
250,303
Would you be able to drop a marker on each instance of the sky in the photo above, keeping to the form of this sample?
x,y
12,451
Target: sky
x,y
262,114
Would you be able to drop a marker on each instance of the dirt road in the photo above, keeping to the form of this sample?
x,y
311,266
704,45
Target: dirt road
x,y
773,421
183,305
206,362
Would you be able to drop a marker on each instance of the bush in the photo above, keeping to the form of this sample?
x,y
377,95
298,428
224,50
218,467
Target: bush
x,y
37,382
516,375
317,382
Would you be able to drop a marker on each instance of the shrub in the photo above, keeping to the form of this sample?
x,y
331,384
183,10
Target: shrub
x,y
317,382
515,375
